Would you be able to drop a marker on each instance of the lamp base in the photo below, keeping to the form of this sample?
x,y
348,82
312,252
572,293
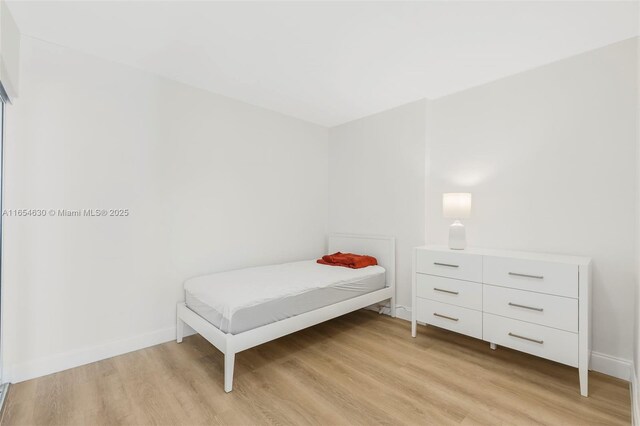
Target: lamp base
x,y
457,236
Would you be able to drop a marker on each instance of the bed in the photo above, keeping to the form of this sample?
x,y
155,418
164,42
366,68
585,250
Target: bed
x,y
277,300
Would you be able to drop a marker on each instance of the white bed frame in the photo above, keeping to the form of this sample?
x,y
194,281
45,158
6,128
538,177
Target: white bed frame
x,y
382,248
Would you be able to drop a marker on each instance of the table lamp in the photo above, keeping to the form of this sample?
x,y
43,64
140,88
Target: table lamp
x,y
456,205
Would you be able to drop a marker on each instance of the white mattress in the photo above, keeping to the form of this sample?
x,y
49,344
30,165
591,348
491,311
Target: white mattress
x,y
244,299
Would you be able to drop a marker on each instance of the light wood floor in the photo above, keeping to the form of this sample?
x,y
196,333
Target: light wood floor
x,y
362,368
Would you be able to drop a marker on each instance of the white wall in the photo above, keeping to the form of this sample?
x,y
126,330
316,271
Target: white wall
x,y
550,157
211,184
376,182
9,52
635,406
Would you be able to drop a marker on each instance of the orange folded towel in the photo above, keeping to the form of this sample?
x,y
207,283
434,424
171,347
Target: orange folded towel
x,y
348,260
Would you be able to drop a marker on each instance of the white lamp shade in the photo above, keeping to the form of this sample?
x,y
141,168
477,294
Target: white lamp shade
x,y
456,205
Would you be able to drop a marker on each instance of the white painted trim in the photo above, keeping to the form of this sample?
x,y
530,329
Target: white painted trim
x,y
635,394
611,365
41,367
602,363
606,364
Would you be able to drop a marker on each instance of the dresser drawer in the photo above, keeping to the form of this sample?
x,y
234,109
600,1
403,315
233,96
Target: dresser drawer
x,y
544,277
454,318
456,292
556,345
450,264
552,311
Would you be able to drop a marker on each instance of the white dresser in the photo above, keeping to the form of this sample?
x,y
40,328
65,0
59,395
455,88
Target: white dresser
x,y
531,302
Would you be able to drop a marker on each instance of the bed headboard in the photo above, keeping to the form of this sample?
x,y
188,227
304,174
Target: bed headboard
x,y
382,248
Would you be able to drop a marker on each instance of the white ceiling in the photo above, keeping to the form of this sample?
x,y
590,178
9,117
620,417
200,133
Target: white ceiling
x,y
329,63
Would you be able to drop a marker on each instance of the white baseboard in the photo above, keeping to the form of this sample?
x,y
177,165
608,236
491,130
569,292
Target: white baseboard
x,y
41,367
635,394
17,373
20,372
607,364
611,365
602,363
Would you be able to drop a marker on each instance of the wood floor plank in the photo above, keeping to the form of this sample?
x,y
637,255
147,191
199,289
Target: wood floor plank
x,y
361,369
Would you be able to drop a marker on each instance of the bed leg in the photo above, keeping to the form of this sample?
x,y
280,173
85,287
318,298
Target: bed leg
x,y
393,307
179,330
229,360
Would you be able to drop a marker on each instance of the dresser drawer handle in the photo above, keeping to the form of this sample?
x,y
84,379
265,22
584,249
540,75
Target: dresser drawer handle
x,y
538,277
526,307
446,317
445,291
526,338
446,264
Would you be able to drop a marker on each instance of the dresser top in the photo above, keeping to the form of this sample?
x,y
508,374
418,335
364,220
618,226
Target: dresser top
x,y
560,258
